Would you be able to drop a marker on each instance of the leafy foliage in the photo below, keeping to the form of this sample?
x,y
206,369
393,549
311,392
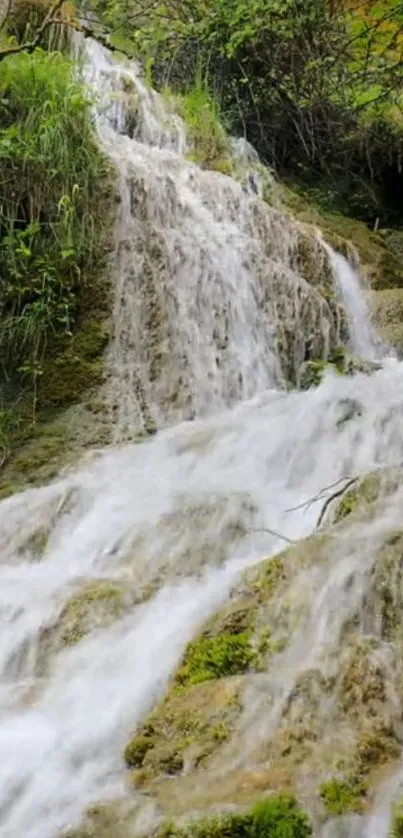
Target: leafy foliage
x,y
52,182
315,85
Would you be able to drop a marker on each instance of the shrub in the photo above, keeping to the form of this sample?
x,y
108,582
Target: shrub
x,y
53,185
215,657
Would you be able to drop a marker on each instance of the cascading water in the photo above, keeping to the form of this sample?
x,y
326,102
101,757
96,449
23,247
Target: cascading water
x,y
207,287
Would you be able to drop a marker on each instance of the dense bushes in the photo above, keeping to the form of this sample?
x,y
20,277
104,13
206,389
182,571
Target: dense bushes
x,y
314,84
52,190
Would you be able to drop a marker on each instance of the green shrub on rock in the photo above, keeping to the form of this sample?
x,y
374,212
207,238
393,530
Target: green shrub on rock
x,y
275,817
215,657
343,796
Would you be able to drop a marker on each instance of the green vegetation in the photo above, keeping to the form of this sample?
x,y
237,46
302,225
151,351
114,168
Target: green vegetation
x,y
215,657
190,724
277,817
396,830
315,86
209,141
342,796
51,185
55,191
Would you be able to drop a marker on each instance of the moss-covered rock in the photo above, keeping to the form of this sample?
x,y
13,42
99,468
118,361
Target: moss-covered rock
x,y
332,730
396,829
186,728
341,796
388,316
94,605
216,657
364,493
378,252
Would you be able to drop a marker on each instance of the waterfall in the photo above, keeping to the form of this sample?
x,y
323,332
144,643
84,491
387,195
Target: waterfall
x,y
364,340
211,297
218,296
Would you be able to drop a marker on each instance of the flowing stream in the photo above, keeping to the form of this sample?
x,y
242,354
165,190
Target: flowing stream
x,y
173,521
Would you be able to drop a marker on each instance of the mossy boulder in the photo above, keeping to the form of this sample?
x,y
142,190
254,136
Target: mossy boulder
x,y
376,253
186,728
216,657
214,741
95,604
365,492
387,308
396,830
340,361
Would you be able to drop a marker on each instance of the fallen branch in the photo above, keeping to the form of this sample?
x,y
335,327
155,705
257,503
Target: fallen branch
x,y
332,497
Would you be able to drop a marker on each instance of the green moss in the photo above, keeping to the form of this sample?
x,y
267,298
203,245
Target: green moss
x,y
343,796
189,724
396,829
361,494
270,576
136,750
275,817
311,374
215,657
97,603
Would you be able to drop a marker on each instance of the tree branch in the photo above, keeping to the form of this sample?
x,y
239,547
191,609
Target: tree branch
x,y
333,497
30,46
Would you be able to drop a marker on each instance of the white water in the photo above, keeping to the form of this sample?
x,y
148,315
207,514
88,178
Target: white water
x,y
364,340
186,511
212,304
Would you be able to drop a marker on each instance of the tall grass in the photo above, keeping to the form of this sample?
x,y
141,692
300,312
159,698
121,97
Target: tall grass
x,y
53,181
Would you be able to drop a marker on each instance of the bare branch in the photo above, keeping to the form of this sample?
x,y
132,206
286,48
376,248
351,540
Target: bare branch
x,y
319,496
332,497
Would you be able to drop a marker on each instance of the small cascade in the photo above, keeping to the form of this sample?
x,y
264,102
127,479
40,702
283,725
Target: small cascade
x,y
364,341
218,295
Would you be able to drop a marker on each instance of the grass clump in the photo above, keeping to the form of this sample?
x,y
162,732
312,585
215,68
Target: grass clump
x,y
343,796
275,817
216,657
208,139
53,190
